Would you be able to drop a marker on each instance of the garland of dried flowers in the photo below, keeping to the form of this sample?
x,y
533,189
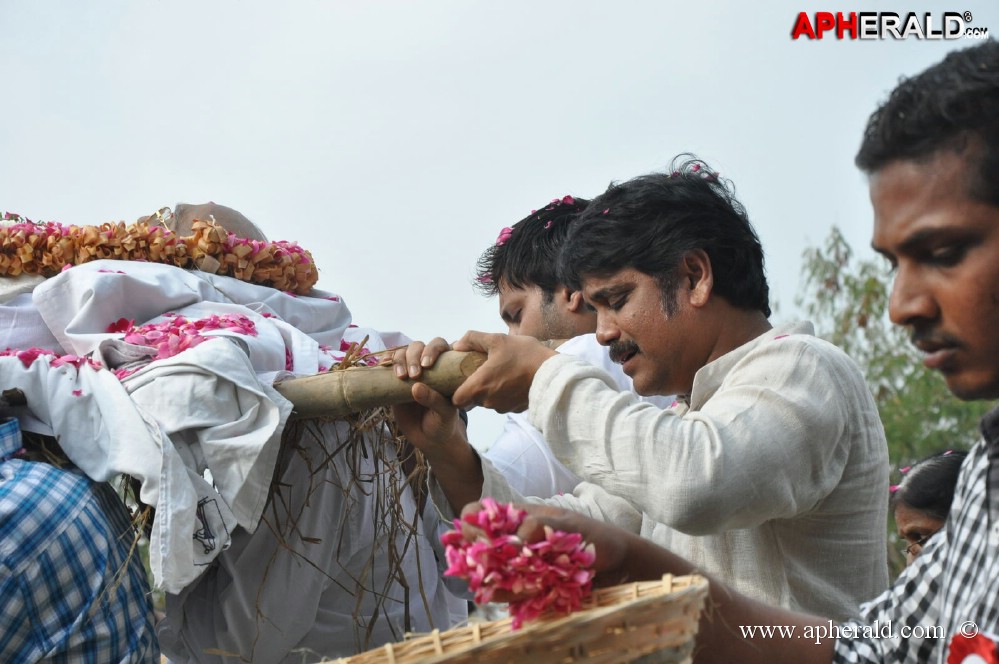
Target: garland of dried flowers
x,y
47,248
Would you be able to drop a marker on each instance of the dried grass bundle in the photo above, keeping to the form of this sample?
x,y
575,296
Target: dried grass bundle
x,y
376,462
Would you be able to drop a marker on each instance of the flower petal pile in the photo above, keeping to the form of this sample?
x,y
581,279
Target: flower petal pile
x,y
554,574
28,357
177,333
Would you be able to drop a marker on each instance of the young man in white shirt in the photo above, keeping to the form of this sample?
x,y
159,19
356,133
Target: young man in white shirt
x,y
520,268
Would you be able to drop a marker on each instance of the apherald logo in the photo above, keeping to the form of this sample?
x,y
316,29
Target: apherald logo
x,y
882,25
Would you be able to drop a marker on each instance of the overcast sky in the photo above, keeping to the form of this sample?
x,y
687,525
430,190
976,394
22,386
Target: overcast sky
x,y
393,139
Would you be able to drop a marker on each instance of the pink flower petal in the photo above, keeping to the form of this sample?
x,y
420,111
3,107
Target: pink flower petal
x,y
553,574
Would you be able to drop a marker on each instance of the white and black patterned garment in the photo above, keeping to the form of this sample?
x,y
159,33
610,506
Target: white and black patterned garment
x,y
953,581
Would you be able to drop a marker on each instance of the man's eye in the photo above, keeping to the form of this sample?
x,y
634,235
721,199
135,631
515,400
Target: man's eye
x,y
615,305
948,256
890,263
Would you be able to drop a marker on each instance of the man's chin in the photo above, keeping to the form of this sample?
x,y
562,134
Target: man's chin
x,y
967,388
643,388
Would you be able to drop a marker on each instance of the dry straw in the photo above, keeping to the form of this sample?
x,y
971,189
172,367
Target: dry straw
x,y
655,621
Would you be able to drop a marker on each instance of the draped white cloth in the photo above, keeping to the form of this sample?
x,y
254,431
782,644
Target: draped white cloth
x,y
311,575
204,408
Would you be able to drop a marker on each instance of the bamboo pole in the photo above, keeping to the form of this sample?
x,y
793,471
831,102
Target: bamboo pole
x,y
338,393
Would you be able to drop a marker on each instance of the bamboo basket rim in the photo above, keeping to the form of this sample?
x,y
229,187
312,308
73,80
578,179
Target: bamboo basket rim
x,y
629,604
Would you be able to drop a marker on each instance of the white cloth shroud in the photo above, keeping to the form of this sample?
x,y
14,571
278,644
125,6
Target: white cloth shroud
x,y
209,407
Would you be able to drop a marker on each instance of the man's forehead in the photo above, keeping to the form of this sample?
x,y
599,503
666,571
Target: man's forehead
x,y
595,283
507,290
916,198
510,295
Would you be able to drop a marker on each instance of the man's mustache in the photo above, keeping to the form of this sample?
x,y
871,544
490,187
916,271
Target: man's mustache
x,y
934,338
622,349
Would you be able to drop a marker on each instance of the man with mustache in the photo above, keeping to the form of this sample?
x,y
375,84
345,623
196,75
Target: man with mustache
x,y
931,152
520,268
771,471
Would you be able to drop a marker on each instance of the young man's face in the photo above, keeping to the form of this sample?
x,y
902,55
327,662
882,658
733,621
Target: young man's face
x,y
944,246
646,341
526,311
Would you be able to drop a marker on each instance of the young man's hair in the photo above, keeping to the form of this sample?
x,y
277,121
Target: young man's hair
x,y
953,105
527,254
650,222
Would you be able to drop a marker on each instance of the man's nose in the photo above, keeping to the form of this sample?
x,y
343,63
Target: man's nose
x,y
911,300
607,330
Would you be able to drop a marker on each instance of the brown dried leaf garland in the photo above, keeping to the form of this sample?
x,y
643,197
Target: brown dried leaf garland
x,y
47,248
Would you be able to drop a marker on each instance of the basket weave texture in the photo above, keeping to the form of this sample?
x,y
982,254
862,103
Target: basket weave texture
x,y
652,620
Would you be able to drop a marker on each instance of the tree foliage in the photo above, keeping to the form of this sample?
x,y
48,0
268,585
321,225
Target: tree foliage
x,y
847,299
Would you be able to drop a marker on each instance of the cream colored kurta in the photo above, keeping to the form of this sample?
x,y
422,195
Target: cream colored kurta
x,y
773,476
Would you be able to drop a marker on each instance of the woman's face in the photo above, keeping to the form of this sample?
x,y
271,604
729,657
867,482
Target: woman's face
x,y
914,528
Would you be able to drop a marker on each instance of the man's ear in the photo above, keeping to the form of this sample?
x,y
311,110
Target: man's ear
x,y
576,304
696,277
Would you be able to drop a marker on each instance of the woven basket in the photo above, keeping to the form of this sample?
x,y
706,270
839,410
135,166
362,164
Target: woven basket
x,y
652,620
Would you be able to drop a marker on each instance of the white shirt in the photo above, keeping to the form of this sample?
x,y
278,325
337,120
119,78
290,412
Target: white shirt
x,y
774,477
521,453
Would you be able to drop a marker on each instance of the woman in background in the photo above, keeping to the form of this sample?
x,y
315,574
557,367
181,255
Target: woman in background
x,y
921,501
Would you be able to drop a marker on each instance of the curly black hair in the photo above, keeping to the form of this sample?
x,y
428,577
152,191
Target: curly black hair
x,y
953,105
650,222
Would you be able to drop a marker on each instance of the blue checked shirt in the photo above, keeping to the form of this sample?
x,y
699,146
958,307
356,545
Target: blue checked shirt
x,y
953,585
63,541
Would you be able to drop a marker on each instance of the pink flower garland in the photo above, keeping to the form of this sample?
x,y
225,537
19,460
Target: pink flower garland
x,y
555,572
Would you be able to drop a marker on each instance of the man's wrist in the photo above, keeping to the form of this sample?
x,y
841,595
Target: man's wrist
x,y
459,476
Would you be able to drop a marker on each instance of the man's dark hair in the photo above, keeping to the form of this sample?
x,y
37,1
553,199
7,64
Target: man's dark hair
x,y
952,105
527,254
650,222
928,486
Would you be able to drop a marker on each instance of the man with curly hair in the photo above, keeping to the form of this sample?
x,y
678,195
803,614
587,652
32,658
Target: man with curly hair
x,y
931,152
771,471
